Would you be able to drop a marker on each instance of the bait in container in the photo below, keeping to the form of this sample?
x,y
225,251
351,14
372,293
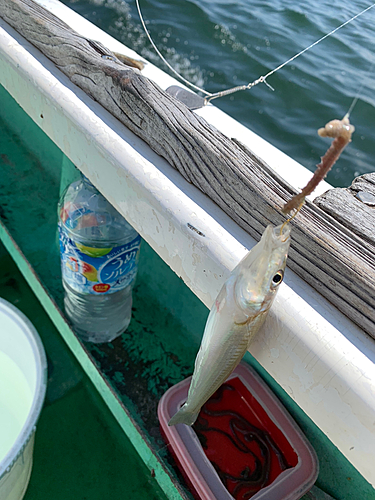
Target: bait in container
x,y
244,444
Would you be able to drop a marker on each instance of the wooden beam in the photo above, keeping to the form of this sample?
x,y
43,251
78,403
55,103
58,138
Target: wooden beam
x,y
334,257
353,207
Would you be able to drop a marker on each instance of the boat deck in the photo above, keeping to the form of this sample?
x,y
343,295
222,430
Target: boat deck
x,y
80,451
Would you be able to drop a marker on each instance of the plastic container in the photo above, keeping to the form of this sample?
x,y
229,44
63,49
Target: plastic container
x,y
228,439
99,262
23,376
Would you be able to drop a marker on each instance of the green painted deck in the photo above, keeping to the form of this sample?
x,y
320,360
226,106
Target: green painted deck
x,y
131,373
80,450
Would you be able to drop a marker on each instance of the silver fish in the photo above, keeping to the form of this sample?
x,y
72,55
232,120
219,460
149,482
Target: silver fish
x,y
237,314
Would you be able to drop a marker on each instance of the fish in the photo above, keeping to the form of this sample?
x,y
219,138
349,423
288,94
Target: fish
x,y
239,311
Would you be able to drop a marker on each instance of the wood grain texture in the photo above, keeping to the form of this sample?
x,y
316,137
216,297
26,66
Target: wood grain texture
x,y
337,259
349,210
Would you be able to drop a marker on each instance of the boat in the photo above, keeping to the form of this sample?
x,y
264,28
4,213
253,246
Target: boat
x,y
317,361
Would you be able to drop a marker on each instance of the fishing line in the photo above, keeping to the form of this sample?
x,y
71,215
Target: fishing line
x,y
261,79
355,100
162,57
291,218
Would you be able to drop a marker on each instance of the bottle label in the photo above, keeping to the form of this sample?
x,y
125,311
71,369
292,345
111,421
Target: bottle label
x,y
98,271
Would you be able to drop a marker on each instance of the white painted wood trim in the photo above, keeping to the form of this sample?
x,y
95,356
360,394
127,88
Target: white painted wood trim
x,y
315,353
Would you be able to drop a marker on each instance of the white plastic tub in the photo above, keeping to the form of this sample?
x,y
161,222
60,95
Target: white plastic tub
x,y
23,369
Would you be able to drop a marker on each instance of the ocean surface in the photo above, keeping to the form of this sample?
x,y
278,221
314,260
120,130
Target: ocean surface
x,y
218,44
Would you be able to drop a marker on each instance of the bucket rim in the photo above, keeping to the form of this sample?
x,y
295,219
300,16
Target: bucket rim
x,y
41,384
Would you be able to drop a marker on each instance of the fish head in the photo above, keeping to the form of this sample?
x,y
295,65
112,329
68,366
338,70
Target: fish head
x,y
261,271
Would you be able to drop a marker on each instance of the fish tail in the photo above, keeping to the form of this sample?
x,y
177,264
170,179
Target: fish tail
x,y
184,416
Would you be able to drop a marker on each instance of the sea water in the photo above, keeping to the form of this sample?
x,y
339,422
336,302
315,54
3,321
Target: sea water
x,y
15,403
218,44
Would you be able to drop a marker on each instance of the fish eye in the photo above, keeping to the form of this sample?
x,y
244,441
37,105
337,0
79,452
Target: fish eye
x,y
277,278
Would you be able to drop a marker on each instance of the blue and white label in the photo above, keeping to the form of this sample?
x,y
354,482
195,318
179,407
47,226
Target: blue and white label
x,y
120,263
98,270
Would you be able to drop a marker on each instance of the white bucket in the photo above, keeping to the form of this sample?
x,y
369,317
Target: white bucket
x,y
23,375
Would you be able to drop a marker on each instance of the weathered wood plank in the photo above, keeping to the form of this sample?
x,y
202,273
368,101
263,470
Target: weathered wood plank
x,y
326,253
354,207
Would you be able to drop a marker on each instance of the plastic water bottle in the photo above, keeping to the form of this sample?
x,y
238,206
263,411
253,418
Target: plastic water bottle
x,y
99,262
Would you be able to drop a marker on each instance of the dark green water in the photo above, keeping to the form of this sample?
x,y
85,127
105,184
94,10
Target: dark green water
x,y
219,44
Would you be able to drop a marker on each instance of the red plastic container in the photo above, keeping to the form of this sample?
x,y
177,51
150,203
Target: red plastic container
x,y
249,439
